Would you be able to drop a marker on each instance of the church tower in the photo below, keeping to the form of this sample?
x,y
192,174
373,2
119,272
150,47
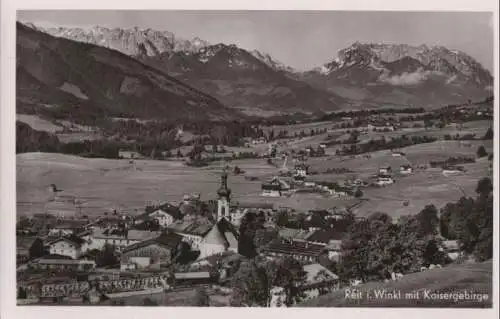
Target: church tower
x,y
224,197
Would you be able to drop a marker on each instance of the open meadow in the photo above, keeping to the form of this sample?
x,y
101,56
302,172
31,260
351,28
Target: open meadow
x,y
95,186
473,278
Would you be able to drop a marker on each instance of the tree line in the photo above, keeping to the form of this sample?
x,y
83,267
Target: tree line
x,y
382,144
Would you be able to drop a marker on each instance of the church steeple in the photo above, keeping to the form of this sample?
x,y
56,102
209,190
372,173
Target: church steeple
x,y
224,191
224,197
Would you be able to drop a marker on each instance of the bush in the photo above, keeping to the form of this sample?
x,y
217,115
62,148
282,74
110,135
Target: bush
x,y
358,193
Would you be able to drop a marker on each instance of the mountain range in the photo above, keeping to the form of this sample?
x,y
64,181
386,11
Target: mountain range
x,y
234,80
62,78
399,73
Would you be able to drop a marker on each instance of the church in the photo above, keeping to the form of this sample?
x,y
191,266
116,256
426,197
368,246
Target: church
x,y
223,236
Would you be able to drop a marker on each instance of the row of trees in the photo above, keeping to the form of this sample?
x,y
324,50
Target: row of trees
x,y
383,144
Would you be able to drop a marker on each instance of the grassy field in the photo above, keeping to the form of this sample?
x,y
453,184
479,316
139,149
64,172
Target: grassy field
x,y
473,278
100,185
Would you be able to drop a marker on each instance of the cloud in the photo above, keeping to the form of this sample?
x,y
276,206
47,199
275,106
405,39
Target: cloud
x,y
406,78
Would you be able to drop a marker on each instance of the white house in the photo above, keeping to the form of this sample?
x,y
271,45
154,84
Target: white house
x,y
239,210
383,180
334,249
405,169
66,247
385,170
67,227
165,216
452,170
275,188
301,170
340,193
118,238
452,248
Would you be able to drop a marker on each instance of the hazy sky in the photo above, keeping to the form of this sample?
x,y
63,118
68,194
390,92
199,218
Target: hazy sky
x,y
301,39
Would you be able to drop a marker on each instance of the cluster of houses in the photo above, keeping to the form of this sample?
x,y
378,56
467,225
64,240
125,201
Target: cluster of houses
x,y
155,239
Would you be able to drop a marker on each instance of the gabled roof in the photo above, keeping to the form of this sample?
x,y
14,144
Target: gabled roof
x,y
313,270
222,233
325,236
72,240
288,232
215,237
169,240
167,208
295,248
198,226
135,234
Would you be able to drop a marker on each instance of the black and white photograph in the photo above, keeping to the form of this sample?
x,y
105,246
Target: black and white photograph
x,y
254,158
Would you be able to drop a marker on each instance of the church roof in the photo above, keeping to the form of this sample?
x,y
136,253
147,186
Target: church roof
x,y
222,233
215,237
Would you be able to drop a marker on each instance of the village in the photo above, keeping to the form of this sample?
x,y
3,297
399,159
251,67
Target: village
x,y
197,245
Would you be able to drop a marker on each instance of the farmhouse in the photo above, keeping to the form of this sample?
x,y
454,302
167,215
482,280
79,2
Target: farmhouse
x,y
301,170
383,180
66,246
118,237
129,154
149,253
325,237
275,187
398,154
67,227
385,170
164,215
301,251
452,248
451,170
341,192
405,169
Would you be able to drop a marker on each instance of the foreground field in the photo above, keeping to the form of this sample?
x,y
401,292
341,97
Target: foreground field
x,y
473,278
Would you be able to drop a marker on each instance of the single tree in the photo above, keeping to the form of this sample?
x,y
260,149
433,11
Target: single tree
x,y
489,134
358,193
481,152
